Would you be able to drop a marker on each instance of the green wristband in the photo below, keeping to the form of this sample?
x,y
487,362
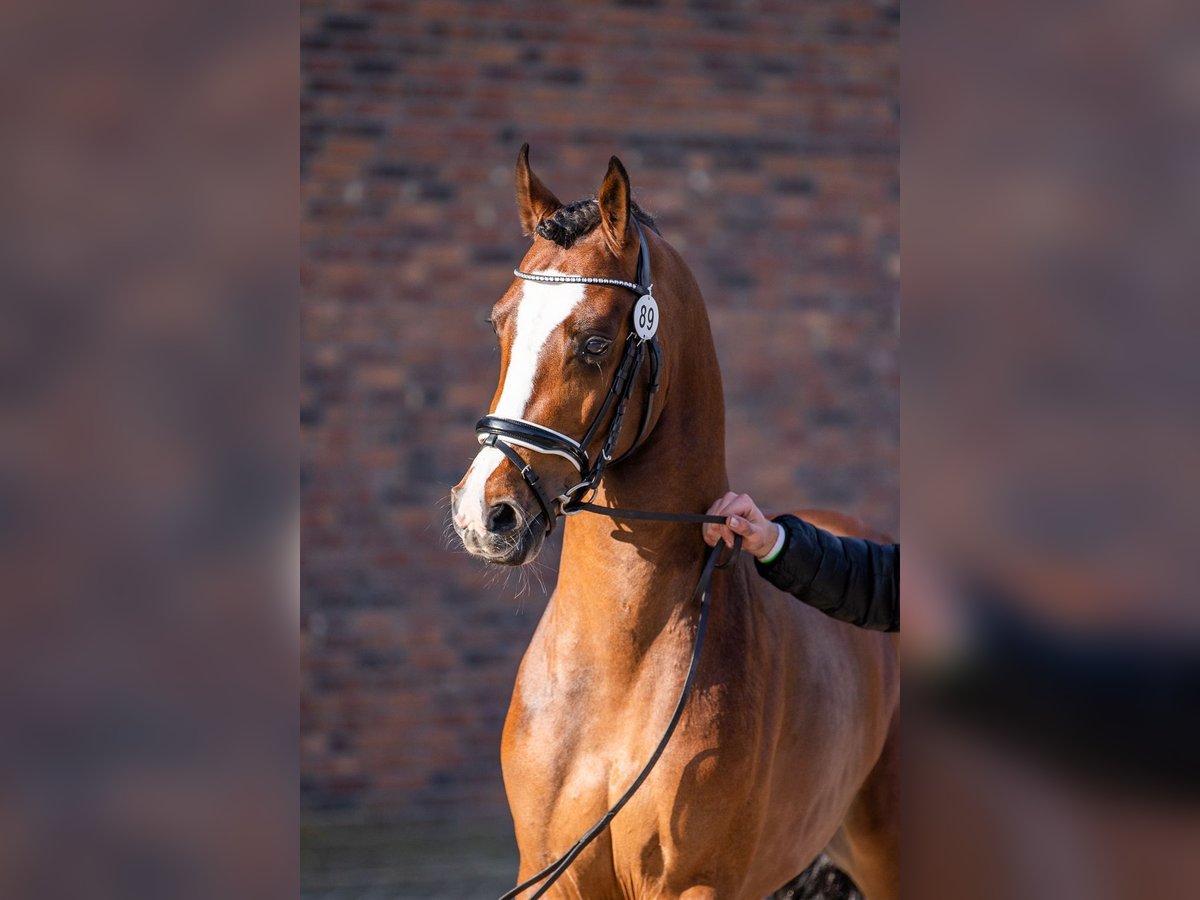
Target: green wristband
x,y
778,548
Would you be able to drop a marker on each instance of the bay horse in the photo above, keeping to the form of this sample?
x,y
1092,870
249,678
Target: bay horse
x,y
787,746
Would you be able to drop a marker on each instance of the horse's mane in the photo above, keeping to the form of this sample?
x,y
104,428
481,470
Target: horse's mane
x,y
577,219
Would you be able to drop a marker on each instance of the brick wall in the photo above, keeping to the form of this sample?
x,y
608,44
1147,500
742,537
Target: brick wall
x,y
765,139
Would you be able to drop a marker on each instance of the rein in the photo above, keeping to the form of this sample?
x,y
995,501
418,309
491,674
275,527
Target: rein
x,y
504,433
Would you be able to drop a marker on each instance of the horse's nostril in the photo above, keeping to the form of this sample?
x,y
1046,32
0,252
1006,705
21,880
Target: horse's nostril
x,y
501,518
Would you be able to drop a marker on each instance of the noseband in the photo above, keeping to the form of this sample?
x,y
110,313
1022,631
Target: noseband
x,y
642,344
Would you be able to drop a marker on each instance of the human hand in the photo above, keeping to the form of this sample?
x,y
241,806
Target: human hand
x,y
746,519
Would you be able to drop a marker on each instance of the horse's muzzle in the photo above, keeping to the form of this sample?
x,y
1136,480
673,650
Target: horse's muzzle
x,y
510,536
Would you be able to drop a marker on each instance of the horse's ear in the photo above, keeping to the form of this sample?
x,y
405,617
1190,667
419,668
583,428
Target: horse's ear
x,y
613,198
534,200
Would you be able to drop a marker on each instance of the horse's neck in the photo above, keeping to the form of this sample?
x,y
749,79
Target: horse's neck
x,y
622,582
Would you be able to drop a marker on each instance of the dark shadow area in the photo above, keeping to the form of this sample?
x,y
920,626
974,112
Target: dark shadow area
x,y
820,881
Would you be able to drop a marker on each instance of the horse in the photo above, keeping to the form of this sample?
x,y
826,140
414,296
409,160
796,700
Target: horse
x,y
787,746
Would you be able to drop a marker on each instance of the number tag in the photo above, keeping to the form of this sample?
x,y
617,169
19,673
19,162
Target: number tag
x,y
645,317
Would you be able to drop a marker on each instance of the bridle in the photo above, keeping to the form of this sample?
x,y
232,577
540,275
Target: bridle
x,y
505,434
642,344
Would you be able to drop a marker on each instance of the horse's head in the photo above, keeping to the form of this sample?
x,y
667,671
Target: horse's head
x,y
561,344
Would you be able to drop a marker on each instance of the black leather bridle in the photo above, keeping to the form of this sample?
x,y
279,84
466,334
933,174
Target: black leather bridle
x,y
504,434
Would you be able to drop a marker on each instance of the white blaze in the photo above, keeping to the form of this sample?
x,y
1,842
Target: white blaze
x,y
541,308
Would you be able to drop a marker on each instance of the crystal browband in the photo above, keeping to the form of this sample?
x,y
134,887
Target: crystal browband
x,y
638,289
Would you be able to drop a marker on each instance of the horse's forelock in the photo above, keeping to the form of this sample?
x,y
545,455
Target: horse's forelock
x,y
575,220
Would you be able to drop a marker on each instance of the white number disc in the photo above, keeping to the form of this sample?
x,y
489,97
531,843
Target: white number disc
x,y
645,317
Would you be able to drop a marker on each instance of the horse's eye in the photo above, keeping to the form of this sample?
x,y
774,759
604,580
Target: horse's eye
x,y
596,346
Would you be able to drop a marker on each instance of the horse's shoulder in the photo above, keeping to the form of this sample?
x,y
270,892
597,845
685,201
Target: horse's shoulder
x,y
843,525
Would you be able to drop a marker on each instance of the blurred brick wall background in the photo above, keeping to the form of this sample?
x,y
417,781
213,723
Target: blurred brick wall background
x,y
764,137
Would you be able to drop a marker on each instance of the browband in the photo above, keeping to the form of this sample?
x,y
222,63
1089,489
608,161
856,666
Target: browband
x,y
580,279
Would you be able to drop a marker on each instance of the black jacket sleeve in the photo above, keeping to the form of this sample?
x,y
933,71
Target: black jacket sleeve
x,y
850,579
1111,706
